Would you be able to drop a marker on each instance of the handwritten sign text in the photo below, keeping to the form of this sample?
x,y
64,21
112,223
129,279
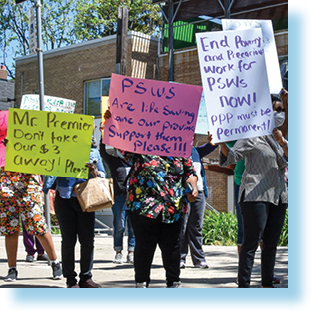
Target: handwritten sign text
x,y
48,143
152,117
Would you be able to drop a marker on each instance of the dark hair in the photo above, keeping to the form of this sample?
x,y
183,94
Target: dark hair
x,y
275,98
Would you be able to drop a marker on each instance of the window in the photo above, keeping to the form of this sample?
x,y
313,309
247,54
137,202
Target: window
x,y
93,91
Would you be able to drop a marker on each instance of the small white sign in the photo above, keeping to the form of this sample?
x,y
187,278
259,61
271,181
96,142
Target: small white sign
x,y
32,33
51,103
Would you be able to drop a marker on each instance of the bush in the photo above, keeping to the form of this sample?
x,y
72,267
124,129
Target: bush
x,y
284,237
54,224
55,230
221,229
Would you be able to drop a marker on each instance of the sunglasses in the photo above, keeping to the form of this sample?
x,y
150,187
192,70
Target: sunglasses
x,y
280,109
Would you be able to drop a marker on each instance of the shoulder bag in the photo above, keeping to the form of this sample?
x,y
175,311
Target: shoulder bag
x,y
95,194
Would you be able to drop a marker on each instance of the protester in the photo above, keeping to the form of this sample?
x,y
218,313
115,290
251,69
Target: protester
x,y
21,197
284,95
240,166
191,235
119,169
156,204
32,246
74,223
263,197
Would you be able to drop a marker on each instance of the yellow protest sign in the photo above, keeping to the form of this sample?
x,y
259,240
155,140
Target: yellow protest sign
x,y
48,143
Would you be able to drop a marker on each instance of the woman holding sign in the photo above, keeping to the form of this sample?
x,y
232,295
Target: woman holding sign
x,y
263,197
156,201
76,224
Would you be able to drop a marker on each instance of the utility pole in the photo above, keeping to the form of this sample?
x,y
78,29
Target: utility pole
x,y
40,54
121,41
40,82
39,51
170,40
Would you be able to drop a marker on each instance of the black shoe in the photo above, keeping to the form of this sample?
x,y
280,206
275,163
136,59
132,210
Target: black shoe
x,y
29,258
42,257
57,271
12,275
176,284
89,284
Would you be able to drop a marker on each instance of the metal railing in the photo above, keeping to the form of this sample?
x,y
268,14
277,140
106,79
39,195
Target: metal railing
x,y
209,207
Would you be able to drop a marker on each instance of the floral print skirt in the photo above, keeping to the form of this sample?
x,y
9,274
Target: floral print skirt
x,y
21,197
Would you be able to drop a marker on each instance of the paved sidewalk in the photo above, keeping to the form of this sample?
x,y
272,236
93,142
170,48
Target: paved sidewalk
x,y
221,274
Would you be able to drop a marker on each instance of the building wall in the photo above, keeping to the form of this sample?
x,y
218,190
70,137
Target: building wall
x,y
281,39
6,91
66,69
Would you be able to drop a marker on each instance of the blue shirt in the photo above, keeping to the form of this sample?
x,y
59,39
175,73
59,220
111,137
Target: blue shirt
x,y
196,155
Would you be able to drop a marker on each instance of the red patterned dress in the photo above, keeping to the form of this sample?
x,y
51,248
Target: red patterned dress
x,y
21,197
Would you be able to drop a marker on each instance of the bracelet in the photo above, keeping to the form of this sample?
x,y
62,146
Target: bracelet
x,y
285,145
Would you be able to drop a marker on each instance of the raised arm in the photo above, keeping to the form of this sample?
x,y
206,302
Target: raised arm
x,y
207,148
281,140
284,96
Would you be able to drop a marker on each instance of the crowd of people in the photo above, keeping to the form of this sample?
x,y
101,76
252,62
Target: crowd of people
x,y
160,200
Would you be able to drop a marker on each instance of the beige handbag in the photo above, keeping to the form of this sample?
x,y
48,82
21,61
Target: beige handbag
x,y
95,194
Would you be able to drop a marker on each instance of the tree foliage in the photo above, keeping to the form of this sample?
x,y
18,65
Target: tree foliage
x,y
97,18
66,22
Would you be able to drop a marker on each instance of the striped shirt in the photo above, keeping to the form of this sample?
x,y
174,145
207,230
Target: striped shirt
x,y
265,164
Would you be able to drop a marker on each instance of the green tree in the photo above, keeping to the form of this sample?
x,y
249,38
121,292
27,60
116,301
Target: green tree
x,y
56,15
57,18
98,18
66,22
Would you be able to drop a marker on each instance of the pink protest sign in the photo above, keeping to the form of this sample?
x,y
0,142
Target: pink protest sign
x,y
3,133
152,117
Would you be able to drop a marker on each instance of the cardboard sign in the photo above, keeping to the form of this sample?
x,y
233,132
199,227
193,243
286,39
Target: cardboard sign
x,y
152,117
3,133
48,143
51,103
235,83
269,45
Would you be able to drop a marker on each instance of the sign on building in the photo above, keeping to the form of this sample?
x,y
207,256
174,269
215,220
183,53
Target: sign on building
x,y
32,33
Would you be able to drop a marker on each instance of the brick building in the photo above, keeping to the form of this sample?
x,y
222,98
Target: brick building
x,y
6,90
72,71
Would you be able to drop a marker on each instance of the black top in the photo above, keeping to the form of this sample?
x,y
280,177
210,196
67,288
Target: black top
x,y
118,169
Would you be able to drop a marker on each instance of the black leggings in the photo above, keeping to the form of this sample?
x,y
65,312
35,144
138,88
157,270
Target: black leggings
x,y
148,233
262,221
